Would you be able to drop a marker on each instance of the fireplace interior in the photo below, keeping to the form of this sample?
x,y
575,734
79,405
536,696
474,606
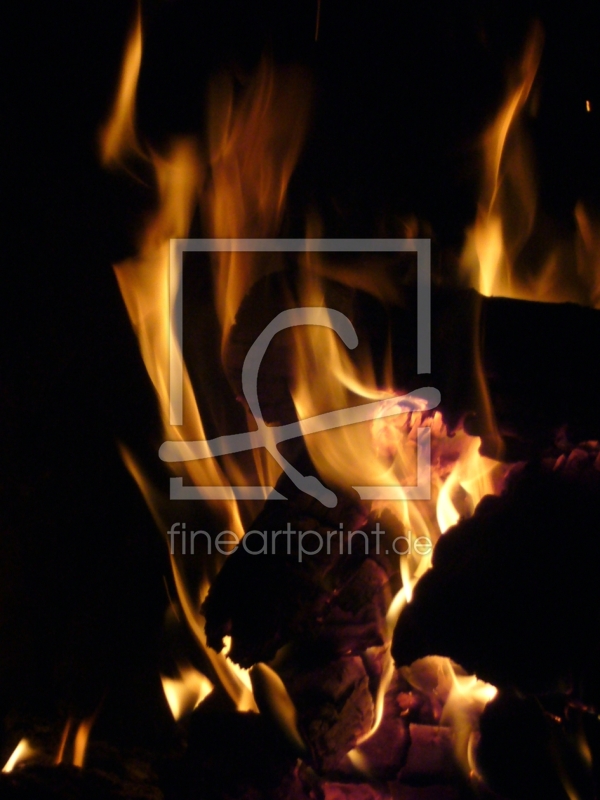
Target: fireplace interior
x,y
454,654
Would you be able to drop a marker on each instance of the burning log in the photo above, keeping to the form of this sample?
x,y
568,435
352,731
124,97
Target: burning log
x,y
513,594
330,594
531,356
328,602
524,752
431,754
335,708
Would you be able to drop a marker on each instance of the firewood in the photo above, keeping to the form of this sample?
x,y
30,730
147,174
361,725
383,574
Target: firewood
x,y
524,752
334,601
335,708
513,594
430,755
533,357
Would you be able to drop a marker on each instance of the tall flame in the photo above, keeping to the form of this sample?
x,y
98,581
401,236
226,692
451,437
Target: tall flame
x,y
81,740
508,251
118,137
254,142
507,204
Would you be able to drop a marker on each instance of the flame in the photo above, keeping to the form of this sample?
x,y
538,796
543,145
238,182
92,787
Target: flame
x,y
118,137
22,752
242,674
254,143
186,692
495,258
490,252
466,701
81,740
63,742
240,187
239,183
588,252
477,475
463,698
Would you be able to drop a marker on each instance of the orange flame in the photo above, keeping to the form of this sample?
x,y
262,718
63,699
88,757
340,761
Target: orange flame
x,y
255,135
254,143
252,150
118,137
63,742
495,258
81,740
490,251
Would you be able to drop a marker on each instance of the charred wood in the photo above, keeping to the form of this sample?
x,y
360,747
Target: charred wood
x,y
534,358
513,594
334,601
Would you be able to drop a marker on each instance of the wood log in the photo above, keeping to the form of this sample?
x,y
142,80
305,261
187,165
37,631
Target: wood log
x,y
513,594
524,752
335,708
430,755
331,603
534,358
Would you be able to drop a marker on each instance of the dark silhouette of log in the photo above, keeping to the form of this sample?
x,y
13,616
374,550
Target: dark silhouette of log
x,y
532,363
333,602
513,594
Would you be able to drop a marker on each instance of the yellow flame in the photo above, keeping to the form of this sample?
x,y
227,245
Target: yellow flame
x,y
494,258
22,752
406,578
467,698
477,475
186,692
255,134
242,674
253,144
507,179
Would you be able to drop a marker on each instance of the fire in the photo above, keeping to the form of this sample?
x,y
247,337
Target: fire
x,y
22,752
490,250
467,698
63,742
81,740
254,142
186,692
508,217
118,137
238,183
475,475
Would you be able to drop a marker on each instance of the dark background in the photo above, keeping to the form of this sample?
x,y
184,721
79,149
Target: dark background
x,y
402,92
